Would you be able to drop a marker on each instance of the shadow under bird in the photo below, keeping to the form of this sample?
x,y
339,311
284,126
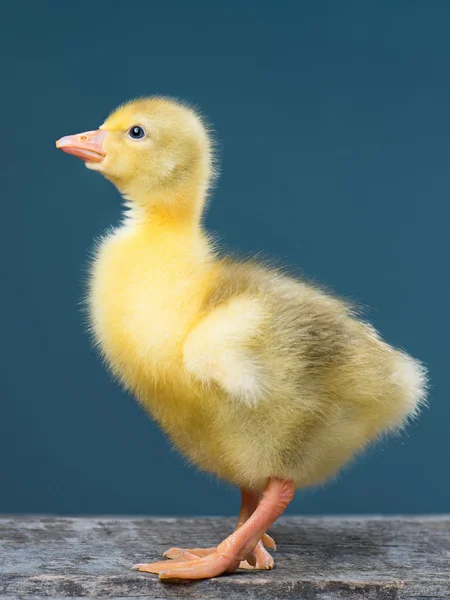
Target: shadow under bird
x,y
260,378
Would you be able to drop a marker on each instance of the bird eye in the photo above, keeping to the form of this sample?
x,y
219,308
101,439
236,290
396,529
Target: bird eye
x,y
136,132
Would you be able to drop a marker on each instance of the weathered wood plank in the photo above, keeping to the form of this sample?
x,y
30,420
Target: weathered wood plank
x,y
318,558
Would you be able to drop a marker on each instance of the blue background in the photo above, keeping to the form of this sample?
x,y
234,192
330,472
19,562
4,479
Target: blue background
x,y
334,126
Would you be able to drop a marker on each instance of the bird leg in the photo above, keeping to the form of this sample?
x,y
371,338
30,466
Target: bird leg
x,y
258,559
237,547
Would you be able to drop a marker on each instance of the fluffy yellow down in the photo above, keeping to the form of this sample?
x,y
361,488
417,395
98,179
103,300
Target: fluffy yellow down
x,y
250,372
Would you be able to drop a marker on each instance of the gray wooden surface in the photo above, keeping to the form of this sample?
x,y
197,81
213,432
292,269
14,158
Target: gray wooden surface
x,y
318,558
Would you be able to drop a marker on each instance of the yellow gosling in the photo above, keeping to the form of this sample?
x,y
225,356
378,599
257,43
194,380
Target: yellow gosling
x,y
260,378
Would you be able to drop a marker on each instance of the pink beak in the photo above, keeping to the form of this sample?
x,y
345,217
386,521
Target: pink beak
x,y
88,145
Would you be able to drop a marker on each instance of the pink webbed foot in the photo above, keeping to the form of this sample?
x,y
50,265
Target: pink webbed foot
x,y
203,567
187,553
258,559
244,548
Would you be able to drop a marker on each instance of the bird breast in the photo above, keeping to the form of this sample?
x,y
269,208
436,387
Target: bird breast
x,y
144,296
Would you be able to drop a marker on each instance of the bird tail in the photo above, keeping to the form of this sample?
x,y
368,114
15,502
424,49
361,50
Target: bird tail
x,y
411,377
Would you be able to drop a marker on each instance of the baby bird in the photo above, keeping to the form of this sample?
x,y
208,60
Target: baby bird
x,y
260,378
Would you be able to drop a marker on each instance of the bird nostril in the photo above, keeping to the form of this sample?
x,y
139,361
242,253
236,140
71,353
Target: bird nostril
x,y
83,138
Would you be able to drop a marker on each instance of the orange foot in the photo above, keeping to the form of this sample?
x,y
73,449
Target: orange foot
x,y
258,559
244,548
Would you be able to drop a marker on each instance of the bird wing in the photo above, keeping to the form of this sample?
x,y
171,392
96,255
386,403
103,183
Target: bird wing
x,y
225,347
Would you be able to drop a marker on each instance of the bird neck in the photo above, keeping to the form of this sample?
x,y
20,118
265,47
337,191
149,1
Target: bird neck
x,y
169,218
177,206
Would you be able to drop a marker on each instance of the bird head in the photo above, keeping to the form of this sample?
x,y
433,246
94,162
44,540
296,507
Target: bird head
x,y
156,151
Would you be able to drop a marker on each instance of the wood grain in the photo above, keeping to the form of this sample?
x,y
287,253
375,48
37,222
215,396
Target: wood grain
x,y
318,558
